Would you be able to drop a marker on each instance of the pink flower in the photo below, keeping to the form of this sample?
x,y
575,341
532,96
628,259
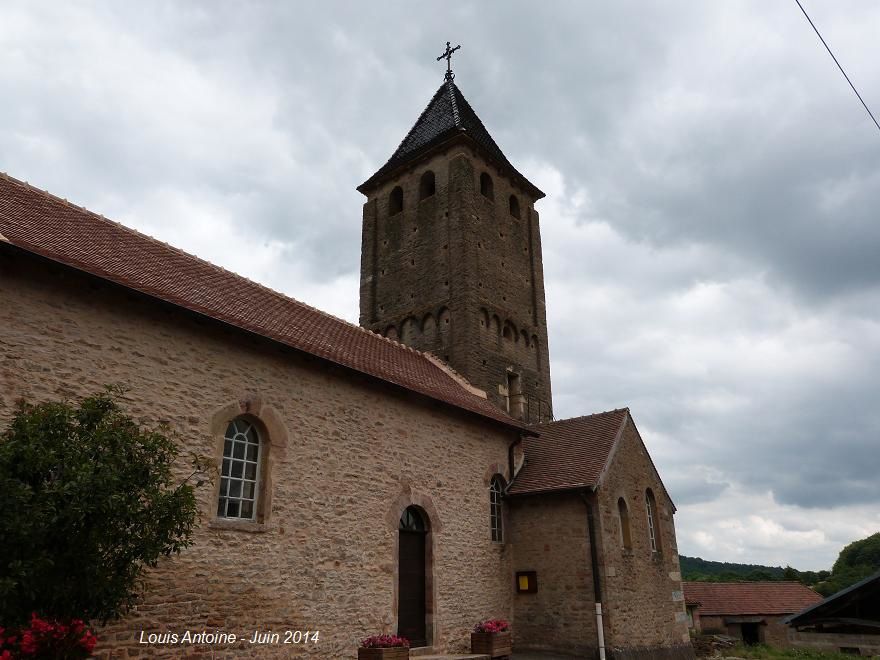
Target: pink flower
x,y
384,642
492,626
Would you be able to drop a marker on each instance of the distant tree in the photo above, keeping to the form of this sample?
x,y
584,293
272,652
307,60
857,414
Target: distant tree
x,y
697,569
89,500
788,573
856,561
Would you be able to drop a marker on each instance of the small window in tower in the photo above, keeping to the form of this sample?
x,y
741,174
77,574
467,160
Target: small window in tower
x,y
514,206
426,185
395,201
487,187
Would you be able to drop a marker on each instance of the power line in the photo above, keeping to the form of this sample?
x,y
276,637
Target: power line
x,y
871,114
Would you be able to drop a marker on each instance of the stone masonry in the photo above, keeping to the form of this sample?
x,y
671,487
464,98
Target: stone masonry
x,y
644,600
347,455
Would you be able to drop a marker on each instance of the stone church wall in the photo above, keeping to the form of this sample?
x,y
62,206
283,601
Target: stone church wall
x,y
550,536
644,602
346,455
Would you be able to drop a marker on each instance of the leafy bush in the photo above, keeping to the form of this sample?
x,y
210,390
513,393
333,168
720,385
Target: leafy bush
x,y
89,501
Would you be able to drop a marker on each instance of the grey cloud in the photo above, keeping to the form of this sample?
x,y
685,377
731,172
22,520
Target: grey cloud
x,y
710,245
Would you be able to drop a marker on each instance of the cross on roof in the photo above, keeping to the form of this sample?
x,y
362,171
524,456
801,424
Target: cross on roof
x,y
448,57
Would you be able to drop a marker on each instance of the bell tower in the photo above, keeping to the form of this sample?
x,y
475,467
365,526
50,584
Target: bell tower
x,y
451,256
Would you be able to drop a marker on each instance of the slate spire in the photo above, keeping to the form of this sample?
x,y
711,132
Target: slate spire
x,y
447,116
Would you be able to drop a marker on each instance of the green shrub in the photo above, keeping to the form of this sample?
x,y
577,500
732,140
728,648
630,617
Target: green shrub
x,y
89,501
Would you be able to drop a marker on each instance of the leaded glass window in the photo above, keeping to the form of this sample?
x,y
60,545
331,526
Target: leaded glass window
x,y
240,474
653,536
496,490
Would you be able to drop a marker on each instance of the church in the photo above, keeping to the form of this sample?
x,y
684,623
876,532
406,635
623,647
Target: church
x,y
403,476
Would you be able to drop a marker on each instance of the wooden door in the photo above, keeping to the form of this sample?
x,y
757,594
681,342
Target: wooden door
x,y
411,572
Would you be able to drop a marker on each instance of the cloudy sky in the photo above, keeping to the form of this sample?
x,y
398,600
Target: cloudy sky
x,y
710,229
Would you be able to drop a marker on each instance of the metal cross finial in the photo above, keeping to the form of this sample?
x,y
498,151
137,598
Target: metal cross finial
x,y
448,57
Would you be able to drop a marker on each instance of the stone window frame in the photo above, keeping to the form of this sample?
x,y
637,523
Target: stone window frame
x,y
427,185
625,524
653,522
273,448
395,201
496,508
513,206
487,186
406,498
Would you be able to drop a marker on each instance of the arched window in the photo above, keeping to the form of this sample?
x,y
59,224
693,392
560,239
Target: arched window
x,y
411,520
240,474
514,206
426,185
487,187
653,521
625,533
496,491
395,201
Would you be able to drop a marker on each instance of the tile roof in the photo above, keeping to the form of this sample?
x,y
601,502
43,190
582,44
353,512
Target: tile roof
x,y
448,114
570,453
40,223
749,598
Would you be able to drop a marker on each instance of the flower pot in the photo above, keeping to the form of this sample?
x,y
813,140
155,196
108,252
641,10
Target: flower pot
x,y
495,645
393,653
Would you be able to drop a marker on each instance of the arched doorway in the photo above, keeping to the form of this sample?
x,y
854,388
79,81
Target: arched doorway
x,y
412,592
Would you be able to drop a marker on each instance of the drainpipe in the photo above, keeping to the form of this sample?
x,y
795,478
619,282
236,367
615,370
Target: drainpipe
x,y
597,585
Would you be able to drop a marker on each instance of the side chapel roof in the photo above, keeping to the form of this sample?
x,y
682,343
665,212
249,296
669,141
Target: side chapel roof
x,y
748,598
37,222
569,454
447,116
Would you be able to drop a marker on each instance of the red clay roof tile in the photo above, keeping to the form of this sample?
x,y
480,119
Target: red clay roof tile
x,y
40,223
570,453
749,598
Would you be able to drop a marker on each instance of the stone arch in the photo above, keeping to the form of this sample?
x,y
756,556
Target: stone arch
x,y
513,206
409,329
496,469
496,326
484,318
525,338
427,185
429,327
395,201
487,186
274,438
410,498
509,332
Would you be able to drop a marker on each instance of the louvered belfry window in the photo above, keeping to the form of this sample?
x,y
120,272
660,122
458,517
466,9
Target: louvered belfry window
x,y
240,474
